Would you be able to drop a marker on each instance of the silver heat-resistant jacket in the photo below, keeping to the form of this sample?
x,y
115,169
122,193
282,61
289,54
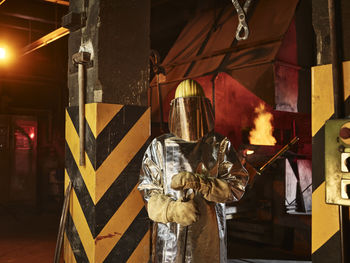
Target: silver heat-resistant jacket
x,y
205,240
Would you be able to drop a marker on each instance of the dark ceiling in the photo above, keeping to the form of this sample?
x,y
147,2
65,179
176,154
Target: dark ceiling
x,y
23,21
32,79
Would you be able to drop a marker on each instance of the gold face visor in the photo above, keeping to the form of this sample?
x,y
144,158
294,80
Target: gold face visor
x,y
191,118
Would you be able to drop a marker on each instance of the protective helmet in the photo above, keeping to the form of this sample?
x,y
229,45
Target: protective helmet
x,y
191,115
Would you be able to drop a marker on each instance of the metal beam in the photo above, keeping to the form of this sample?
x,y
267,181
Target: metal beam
x,y
26,17
2,25
45,40
28,79
59,2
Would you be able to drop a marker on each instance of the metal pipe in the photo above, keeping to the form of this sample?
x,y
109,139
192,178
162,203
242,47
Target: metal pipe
x,y
280,152
62,224
81,82
81,59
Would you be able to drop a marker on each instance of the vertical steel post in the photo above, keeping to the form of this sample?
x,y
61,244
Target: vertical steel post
x,y
81,59
81,80
336,56
62,224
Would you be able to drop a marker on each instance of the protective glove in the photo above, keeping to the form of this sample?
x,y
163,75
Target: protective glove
x,y
163,209
212,189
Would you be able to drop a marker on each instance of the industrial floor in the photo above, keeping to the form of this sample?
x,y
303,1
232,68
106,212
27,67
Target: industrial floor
x,y
27,236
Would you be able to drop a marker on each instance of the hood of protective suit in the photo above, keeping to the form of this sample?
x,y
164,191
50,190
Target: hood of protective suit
x,y
191,115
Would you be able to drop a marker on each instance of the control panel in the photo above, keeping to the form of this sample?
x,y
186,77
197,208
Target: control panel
x,y
337,161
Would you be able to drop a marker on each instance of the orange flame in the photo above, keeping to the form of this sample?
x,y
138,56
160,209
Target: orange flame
x,y
262,132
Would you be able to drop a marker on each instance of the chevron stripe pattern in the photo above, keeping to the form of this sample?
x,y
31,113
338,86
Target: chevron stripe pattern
x,y
325,218
107,220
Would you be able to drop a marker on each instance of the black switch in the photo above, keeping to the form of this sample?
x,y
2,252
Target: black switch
x,y
347,163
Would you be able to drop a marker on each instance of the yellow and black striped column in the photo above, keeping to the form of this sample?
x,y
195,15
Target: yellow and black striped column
x,y
107,220
325,218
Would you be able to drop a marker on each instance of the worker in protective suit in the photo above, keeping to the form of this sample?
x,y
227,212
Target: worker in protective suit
x,y
186,177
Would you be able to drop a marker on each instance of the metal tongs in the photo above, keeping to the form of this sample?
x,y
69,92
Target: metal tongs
x,y
275,157
242,23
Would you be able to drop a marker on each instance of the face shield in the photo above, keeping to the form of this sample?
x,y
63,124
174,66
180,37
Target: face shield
x,y
191,118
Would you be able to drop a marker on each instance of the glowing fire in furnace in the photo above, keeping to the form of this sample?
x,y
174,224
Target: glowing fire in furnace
x,y
261,134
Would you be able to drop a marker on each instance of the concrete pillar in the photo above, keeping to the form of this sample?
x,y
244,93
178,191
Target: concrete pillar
x,y
107,220
325,218
320,22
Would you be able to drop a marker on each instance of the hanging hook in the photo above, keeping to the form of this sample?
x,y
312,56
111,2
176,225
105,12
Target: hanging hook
x,y
242,23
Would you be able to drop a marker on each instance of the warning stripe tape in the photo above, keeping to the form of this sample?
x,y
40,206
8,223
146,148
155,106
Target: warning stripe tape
x,y
325,217
107,218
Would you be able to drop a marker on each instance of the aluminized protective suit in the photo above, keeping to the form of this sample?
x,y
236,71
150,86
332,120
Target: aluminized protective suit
x,y
214,161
